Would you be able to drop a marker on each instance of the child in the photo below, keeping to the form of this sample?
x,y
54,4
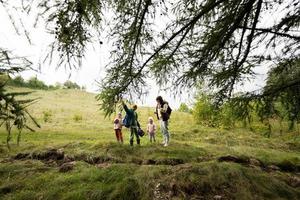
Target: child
x,y
118,127
151,128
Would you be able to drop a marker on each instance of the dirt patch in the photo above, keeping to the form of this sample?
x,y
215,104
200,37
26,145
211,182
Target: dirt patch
x,y
103,165
294,181
149,162
169,161
229,158
20,156
67,167
204,158
52,154
95,159
187,190
271,168
288,166
57,157
6,190
285,166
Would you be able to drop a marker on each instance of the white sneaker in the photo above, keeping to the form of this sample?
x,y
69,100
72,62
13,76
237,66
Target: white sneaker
x,y
166,144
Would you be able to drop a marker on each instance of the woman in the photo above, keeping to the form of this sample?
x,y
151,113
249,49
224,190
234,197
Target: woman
x,y
163,116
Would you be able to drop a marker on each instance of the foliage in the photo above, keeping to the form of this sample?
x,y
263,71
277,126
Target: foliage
x,y
73,23
13,111
279,99
210,41
70,85
17,81
216,42
204,111
47,115
77,117
283,86
228,115
33,82
184,108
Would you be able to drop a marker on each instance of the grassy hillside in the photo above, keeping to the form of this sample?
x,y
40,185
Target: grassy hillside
x,y
200,163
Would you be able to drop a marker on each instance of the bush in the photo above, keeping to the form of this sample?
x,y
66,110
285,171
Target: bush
x,y
77,118
33,83
184,108
204,111
47,116
36,83
71,85
227,116
207,114
3,79
18,81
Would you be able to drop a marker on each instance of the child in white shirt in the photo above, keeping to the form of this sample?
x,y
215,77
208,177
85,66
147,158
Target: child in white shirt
x,y
118,127
151,128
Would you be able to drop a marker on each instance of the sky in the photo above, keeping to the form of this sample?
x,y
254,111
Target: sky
x,y
93,66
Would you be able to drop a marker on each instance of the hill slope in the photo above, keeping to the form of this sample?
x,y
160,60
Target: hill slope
x,y
200,163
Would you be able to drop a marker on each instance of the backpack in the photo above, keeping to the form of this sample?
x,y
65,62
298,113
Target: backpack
x,y
169,110
166,116
126,121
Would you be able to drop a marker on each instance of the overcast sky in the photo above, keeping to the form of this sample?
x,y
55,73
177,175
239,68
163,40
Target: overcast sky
x,y
93,66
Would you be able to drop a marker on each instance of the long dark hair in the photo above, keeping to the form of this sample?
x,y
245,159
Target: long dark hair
x,y
160,100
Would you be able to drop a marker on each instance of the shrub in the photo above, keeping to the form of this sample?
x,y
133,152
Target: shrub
x,y
204,111
71,85
227,116
77,118
36,83
47,116
18,81
184,108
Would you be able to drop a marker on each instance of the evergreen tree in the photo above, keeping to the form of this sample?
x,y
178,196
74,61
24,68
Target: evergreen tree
x,y
13,112
218,42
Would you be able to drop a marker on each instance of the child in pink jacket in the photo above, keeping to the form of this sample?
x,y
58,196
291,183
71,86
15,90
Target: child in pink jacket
x,y
151,128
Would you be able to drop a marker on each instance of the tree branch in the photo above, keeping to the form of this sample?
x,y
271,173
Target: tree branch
x,y
193,21
250,39
139,30
269,30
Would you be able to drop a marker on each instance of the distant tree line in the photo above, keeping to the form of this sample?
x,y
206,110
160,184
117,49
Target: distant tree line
x,y
35,83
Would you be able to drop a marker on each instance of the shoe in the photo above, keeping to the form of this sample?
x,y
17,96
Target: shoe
x,y
166,144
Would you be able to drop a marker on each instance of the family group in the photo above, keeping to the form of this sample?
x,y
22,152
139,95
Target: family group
x,y
162,112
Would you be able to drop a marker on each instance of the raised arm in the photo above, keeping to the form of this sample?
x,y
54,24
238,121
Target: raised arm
x,y
125,107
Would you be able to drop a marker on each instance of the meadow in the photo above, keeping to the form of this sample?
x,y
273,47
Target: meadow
x,y
200,163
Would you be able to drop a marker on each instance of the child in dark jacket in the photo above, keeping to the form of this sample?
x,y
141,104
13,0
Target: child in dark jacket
x,y
133,122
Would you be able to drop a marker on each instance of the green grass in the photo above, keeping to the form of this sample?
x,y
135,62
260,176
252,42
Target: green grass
x,y
71,121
